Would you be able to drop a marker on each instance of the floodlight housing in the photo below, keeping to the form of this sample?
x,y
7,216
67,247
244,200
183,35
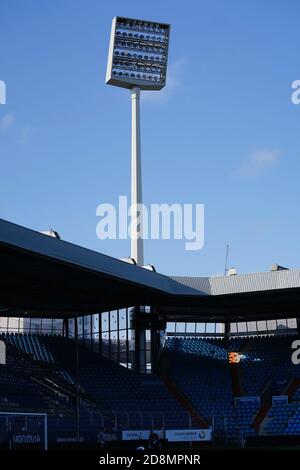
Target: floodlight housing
x,y
138,54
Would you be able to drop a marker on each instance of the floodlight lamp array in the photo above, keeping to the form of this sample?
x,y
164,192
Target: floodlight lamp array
x,y
138,54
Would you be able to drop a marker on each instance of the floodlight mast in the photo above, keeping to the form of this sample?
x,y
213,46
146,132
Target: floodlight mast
x,y
137,242
137,60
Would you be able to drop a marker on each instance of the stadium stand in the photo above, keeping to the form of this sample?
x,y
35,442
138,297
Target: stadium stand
x,y
205,377
28,386
41,377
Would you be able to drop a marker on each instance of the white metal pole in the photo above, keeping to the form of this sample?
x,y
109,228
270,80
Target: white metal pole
x,y
137,246
46,431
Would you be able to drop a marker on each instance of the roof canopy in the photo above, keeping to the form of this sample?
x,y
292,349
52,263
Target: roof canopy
x,y
46,277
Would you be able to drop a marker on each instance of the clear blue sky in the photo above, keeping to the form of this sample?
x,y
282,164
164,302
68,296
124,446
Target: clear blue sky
x,y
223,132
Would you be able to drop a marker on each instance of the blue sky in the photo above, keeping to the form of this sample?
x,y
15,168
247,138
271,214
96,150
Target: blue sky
x,y
223,132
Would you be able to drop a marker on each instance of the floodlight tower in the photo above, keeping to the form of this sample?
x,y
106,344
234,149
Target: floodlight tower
x,y
137,60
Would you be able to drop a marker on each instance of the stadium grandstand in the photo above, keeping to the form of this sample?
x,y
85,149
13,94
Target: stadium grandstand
x,y
100,351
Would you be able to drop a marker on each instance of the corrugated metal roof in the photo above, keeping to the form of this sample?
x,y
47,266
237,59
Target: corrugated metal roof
x,y
191,285
36,243
256,282
40,244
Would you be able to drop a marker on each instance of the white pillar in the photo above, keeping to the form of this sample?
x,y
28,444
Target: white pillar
x,y
137,247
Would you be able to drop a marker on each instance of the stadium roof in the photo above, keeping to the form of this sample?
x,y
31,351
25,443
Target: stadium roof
x,y
237,284
45,276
